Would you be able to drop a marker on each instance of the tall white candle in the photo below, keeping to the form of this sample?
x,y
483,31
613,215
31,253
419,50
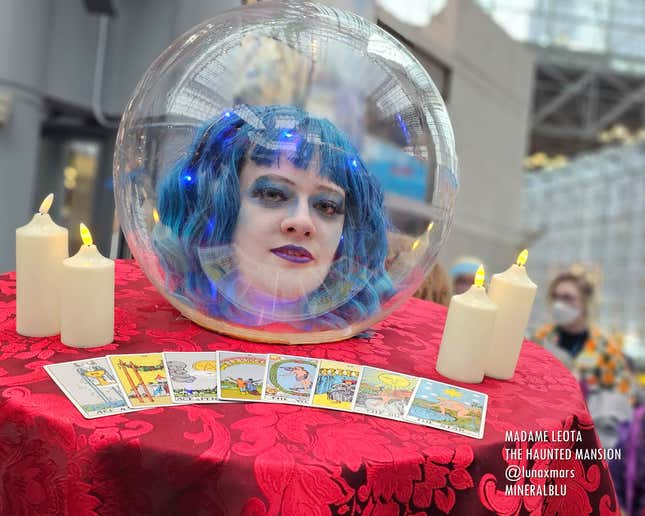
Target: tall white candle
x,y
514,293
41,247
468,334
87,319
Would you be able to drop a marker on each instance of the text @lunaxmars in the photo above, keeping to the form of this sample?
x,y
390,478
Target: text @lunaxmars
x,y
525,480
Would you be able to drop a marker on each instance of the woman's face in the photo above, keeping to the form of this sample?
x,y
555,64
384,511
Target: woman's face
x,y
568,305
288,229
568,293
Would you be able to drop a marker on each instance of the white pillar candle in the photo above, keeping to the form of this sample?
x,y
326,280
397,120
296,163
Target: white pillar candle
x,y
468,334
41,247
87,319
514,293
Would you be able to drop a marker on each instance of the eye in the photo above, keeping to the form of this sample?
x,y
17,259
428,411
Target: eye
x,y
327,208
270,194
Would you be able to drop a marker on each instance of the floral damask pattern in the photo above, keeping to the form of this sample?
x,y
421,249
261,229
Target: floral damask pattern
x,y
257,459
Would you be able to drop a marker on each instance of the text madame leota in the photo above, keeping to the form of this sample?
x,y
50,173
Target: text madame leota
x,y
541,446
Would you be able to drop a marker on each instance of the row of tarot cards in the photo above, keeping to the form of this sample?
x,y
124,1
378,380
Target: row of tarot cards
x,y
122,383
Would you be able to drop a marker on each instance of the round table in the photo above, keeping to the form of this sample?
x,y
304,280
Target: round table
x,y
252,459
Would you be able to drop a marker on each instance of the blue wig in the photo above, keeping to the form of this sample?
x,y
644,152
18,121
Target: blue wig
x,y
199,202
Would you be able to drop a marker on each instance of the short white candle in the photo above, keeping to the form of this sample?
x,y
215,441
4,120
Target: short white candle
x,y
87,297
468,334
514,293
41,247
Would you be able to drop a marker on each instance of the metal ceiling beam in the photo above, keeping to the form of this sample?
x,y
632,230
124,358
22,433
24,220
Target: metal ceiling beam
x,y
635,97
591,106
554,72
559,131
616,81
567,93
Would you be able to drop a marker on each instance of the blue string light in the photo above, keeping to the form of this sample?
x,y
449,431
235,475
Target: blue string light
x,y
404,129
210,226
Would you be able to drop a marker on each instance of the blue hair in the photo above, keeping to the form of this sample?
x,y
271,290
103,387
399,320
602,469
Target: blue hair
x,y
199,201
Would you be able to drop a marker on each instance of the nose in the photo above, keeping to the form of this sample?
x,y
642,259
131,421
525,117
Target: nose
x,y
299,222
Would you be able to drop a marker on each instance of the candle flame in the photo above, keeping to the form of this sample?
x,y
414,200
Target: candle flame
x,y
155,215
480,275
522,257
46,204
416,243
430,226
86,236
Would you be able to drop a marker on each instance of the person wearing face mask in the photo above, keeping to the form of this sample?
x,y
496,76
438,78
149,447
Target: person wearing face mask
x,y
593,358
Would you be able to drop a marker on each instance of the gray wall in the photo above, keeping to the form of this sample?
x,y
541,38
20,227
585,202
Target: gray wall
x,y
48,51
141,30
24,32
489,102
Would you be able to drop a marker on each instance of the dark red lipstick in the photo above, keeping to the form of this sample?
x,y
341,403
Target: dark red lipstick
x,y
293,253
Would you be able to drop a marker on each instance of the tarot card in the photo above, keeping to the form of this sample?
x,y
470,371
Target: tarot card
x,y
384,393
91,386
290,379
241,375
142,378
448,407
192,376
336,385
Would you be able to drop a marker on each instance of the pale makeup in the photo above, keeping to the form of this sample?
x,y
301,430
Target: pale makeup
x,y
288,228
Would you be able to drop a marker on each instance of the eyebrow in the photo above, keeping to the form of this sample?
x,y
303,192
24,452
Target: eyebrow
x,y
282,179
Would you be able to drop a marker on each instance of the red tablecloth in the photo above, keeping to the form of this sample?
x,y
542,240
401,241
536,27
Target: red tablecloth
x,y
259,458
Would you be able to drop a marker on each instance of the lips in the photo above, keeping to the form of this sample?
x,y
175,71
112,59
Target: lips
x,y
293,253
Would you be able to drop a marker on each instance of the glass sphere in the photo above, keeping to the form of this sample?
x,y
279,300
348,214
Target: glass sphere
x,y
286,173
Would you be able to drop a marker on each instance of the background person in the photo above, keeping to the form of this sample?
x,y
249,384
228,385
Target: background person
x,y
463,272
593,358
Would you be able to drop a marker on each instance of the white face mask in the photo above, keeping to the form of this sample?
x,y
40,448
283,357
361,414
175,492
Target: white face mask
x,y
564,314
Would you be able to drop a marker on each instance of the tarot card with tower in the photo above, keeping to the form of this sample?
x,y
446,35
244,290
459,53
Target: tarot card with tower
x,y
91,386
336,385
384,393
142,378
290,379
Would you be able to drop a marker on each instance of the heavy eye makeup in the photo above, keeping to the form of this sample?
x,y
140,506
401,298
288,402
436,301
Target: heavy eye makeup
x,y
328,204
270,193
273,193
